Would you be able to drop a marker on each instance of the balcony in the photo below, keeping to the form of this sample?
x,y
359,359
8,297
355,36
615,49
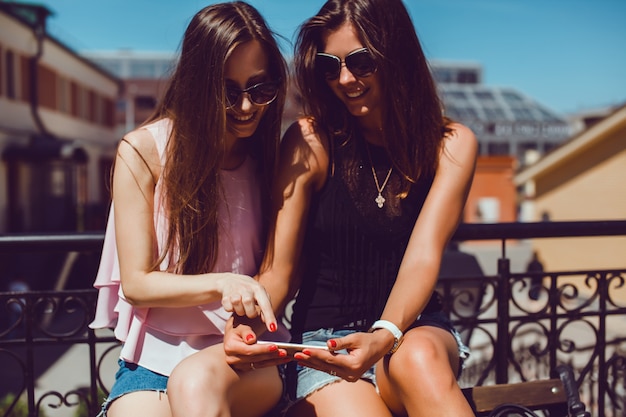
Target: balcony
x,y
53,365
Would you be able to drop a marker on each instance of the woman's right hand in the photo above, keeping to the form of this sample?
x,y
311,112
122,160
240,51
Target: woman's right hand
x,y
363,350
244,296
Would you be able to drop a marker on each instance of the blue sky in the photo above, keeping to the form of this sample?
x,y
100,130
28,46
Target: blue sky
x,y
568,55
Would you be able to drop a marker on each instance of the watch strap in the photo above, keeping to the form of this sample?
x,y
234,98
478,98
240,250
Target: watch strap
x,y
393,329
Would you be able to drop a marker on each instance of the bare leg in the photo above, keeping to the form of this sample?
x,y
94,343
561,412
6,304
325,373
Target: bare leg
x,y
205,385
140,403
420,378
345,399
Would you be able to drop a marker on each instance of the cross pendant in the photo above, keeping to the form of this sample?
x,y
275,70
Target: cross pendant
x,y
380,200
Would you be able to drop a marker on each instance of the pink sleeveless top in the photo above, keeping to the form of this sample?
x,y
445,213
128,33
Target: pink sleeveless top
x,y
158,338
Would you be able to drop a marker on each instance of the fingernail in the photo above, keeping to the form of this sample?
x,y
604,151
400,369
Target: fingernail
x,y
272,327
306,351
249,337
333,343
273,348
282,354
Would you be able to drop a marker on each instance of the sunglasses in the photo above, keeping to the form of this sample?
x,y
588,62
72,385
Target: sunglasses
x,y
360,63
260,94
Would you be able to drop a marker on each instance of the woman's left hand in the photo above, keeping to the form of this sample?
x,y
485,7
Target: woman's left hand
x,y
243,353
361,351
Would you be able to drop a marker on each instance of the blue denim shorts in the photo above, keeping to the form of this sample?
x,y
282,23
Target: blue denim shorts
x,y
131,377
310,380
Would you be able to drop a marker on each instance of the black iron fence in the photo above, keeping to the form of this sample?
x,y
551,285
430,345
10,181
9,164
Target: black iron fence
x,y
52,364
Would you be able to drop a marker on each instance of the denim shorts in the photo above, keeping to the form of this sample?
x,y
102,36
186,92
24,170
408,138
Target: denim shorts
x,y
131,377
310,380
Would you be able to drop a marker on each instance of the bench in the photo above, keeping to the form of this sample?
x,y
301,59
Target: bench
x,y
559,396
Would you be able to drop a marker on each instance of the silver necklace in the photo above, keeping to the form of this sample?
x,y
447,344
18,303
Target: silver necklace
x,y
380,200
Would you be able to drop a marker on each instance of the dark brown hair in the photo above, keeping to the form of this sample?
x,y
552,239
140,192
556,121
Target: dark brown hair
x,y
195,102
412,111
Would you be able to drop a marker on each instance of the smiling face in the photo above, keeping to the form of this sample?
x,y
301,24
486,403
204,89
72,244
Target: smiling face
x,y
360,95
245,67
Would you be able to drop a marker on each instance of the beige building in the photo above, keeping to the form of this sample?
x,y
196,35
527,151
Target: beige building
x,y
583,179
57,137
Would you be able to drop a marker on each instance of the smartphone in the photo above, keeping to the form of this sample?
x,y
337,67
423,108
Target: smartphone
x,y
292,348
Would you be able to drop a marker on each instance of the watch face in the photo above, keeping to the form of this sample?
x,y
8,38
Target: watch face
x,y
396,345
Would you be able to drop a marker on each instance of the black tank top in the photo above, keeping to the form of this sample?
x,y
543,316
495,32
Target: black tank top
x,y
353,249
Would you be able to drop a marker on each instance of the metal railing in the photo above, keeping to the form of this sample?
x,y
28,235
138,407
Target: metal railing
x,y
577,318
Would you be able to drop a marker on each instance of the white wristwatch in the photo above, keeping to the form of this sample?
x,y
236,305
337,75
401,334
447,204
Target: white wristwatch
x,y
387,325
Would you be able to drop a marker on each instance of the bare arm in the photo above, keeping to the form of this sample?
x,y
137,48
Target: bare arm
x,y
137,169
303,167
302,170
433,229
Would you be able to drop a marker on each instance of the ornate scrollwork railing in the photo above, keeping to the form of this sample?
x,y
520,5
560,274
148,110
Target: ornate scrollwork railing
x,y
52,364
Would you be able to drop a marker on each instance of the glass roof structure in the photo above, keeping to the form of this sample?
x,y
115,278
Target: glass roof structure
x,y
505,121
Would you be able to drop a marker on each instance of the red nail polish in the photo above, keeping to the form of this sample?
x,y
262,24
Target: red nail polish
x,y
273,348
272,327
306,351
333,343
282,354
249,337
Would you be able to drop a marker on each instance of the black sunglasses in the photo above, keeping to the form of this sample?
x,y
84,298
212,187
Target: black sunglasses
x,y
361,63
260,94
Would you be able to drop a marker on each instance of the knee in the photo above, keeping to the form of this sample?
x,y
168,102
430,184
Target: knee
x,y
425,358
193,379
420,355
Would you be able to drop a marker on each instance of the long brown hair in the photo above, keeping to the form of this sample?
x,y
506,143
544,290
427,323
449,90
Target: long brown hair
x,y
412,111
195,103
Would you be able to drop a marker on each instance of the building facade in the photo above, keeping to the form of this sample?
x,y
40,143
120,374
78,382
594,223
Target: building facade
x,y
144,78
581,180
57,137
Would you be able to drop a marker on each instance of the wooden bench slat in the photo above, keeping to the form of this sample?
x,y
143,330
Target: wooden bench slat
x,y
532,394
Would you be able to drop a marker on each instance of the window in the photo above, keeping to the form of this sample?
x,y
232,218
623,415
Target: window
x,y
64,96
11,81
47,87
494,113
145,102
512,97
455,95
522,113
467,77
524,146
498,148
443,75
484,95
468,113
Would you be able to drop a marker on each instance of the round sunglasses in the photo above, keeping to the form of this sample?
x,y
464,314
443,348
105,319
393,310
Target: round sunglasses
x,y
260,94
360,62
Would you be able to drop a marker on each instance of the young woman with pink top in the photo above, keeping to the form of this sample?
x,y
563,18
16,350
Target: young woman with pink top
x,y
188,221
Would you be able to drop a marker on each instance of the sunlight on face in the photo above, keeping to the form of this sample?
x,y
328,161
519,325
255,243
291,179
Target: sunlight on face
x,y
246,66
360,95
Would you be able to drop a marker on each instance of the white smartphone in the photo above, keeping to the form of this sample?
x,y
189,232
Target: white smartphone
x,y
292,348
